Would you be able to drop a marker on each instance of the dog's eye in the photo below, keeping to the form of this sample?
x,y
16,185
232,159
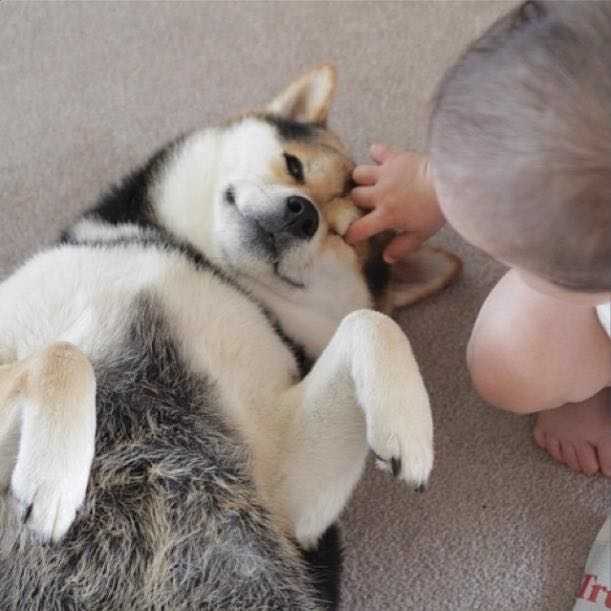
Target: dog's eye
x,y
294,167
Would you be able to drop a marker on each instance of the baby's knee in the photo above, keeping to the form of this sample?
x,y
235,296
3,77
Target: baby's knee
x,y
507,351
503,378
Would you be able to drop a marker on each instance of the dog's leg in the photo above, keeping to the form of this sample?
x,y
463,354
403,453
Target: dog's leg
x,y
364,391
47,414
11,379
418,276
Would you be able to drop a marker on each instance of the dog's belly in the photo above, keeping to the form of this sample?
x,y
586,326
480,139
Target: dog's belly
x,y
171,518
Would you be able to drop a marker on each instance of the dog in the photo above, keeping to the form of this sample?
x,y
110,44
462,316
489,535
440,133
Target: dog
x,y
191,379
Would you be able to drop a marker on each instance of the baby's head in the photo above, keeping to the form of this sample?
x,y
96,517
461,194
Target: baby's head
x,y
521,143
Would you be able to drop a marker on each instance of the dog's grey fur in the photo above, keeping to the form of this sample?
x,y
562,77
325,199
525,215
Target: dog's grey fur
x,y
182,525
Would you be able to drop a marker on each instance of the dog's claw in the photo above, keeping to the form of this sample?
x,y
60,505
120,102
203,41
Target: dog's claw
x,y
393,465
27,513
420,489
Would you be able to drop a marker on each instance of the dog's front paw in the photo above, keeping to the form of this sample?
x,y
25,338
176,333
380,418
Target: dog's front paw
x,y
48,496
401,438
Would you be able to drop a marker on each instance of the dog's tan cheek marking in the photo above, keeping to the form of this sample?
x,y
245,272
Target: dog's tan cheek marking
x,y
327,177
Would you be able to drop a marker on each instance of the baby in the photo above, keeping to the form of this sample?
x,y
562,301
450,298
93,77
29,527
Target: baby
x,y
520,165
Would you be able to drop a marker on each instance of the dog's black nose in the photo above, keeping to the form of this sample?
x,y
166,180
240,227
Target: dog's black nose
x,y
301,217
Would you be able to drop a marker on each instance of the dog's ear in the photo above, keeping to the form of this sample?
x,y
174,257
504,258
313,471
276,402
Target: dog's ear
x,y
418,276
308,98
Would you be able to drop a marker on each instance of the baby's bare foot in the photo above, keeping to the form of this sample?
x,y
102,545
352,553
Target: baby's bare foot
x,y
579,434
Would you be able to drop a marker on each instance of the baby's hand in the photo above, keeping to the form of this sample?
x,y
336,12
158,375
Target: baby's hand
x,y
399,192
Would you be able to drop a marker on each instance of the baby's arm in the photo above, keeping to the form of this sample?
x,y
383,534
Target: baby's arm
x,y
400,195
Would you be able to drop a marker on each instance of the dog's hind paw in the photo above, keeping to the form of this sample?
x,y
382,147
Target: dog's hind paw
x,y
49,484
47,508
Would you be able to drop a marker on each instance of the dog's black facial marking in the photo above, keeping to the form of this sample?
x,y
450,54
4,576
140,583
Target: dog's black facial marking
x,y
288,129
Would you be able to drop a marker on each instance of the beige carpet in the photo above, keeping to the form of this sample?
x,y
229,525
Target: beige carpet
x,y
87,90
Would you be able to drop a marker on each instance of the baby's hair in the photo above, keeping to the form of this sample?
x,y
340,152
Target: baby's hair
x,y
521,133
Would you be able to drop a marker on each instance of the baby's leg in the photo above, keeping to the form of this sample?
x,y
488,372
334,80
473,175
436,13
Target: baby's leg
x,y
529,352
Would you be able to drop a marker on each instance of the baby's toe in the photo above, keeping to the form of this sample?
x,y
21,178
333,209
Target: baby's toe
x,y
569,455
540,437
604,456
586,455
552,445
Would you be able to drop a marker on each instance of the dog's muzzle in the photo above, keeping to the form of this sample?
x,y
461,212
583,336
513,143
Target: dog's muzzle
x,y
298,219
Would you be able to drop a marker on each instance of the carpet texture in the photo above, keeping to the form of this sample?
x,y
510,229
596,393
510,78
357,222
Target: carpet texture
x,y
87,90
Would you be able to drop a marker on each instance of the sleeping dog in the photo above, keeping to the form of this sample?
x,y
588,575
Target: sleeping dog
x,y
192,378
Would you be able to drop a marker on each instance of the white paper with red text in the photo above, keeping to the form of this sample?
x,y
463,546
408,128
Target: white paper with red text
x,y
594,592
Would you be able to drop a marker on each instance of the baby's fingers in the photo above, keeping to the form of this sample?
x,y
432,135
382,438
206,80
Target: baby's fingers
x,y
366,175
365,227
364,197
402,245
381,153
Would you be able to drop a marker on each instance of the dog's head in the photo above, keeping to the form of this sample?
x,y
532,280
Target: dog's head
x,y
283,195
266,197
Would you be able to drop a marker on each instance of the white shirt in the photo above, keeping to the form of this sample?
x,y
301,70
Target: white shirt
x,y
604,315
